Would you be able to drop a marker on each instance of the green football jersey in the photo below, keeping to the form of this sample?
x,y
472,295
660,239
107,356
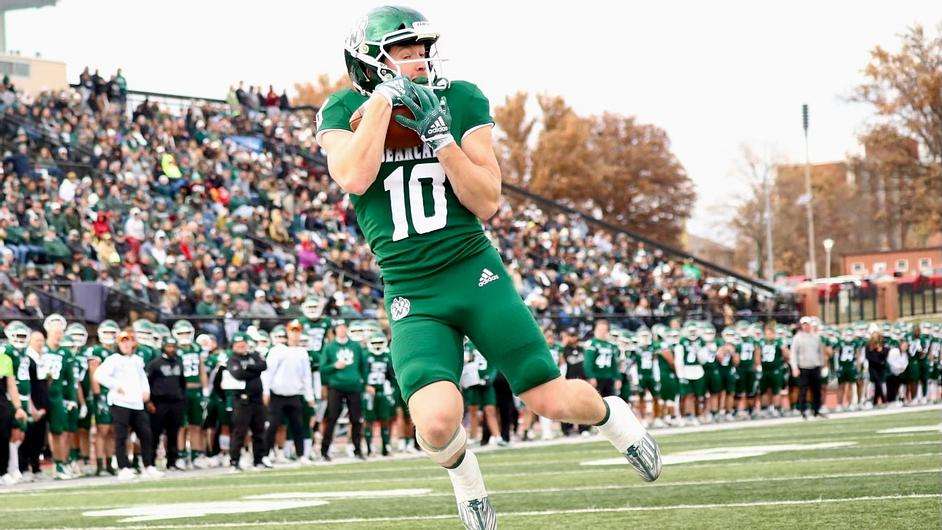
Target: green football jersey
x,y
80,369
601,359
410,215
709,350
747,351
644,360
190,355
316,331
691,349
57,363
771,352
146,353
379,368
101,353
21,363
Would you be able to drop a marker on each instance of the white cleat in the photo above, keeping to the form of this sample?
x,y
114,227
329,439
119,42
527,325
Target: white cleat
x,y
645,457
126,474
151,472
478,514
7,480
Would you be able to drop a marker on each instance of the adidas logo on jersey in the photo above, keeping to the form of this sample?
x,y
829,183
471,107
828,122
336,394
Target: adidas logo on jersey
x,y
439,127
487,277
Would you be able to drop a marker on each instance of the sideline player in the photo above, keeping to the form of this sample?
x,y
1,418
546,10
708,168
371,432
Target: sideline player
x,y
420,210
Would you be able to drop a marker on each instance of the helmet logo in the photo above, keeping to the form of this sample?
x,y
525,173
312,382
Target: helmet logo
x,y
357,38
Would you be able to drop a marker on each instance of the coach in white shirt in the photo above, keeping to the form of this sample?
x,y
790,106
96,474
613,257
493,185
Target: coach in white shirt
x,y
286,381
123,375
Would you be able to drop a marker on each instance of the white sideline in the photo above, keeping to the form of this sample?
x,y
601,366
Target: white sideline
x,y
539,513
441,477
222,472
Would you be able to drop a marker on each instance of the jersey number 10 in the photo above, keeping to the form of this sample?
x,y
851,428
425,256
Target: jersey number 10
x,y
422,223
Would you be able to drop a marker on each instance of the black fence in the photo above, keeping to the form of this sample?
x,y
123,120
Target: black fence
x,y
920,297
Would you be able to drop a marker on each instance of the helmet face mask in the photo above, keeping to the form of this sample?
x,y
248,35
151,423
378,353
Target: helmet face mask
x,y
278,335
184,332
54,322
206,342
366,50
377,343
313,307
108,332
77,335
18,334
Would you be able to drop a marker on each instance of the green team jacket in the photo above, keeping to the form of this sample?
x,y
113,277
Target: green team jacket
x,y
352,378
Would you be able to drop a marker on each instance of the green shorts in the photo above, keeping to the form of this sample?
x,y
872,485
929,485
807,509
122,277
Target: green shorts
x,y
772,379
746,383
378,407
399,402
925,368
17,424
728,380
474,297
58,416
669,387
480,396
912,374
72,420
102,410
714,381
195,411
696,387
847,373
647,383
627,389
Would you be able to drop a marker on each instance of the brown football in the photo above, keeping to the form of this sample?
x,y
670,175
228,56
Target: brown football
x,y
397,136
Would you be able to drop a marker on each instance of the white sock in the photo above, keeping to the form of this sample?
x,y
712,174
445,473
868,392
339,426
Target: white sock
x,y
467,479
14,466
223,442
307,447
622,428
289,448
546,426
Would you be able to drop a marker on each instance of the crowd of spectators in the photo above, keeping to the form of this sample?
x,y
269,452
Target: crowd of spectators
x,y
218,209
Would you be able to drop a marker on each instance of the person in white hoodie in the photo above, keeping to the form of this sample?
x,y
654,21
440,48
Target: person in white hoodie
x,y
123,374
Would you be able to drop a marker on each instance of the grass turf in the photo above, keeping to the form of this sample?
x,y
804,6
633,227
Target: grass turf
x,y
886,480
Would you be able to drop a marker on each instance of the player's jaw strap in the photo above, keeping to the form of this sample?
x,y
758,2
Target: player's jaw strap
x,y
447,453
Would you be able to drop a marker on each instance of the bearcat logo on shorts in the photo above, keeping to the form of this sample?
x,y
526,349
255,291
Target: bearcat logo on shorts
x,y
399,308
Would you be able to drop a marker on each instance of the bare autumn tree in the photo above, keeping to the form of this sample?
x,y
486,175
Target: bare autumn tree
x,y
905,90
749,215
316,93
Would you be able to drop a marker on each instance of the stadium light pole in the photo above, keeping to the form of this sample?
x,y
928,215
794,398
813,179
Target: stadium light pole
x,y
809,198
828,245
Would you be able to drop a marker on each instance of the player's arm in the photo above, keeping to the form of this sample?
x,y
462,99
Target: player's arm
x,y
473,172
353,158
204,377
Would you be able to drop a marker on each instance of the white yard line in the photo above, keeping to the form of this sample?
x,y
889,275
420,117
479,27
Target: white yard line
x,y
538,513
443,477
357,469
565,489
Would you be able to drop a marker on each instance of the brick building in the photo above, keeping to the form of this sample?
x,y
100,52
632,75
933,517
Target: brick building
x,y
904,261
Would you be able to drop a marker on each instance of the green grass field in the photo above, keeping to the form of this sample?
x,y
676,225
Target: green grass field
x,y
837,473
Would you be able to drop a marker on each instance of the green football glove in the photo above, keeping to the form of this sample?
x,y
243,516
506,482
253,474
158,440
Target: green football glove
x,y
395,90
432,119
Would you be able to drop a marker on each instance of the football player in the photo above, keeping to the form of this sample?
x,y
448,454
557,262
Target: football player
x,y
420,209
727,359
80,421
219,405
602,361
480,397
709,347
104,437
378,405
667,378
57,365
17,335
648,376
846,350
746,378
197,394
773,358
